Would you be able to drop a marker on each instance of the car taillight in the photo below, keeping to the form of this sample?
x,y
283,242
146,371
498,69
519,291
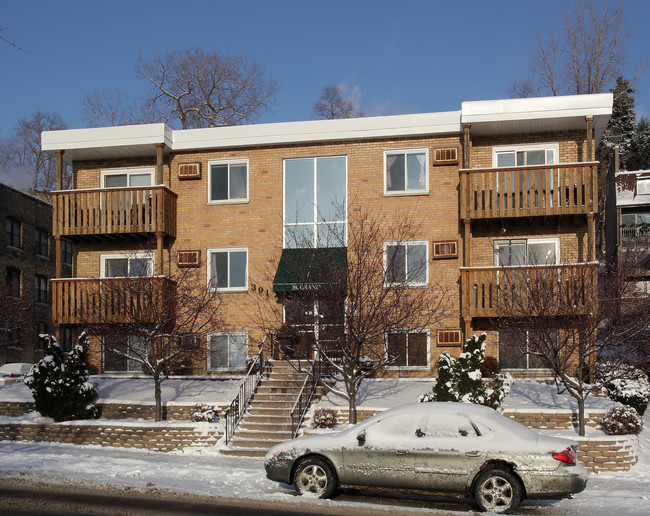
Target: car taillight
x,y
567,456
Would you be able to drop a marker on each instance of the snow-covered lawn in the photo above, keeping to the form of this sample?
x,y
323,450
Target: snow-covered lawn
x,y
204,471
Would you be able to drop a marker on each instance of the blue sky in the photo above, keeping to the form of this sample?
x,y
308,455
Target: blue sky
x,y
396,57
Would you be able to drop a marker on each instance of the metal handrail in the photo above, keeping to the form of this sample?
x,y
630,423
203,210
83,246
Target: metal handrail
x,y
246,390
303,402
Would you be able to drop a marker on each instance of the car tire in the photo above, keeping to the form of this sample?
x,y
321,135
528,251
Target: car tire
x,y
315,476
497,490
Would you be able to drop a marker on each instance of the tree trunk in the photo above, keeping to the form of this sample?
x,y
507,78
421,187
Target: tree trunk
x,y
352,407
158,397
581,416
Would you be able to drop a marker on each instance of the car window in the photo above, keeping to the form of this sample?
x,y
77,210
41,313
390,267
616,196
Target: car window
x,y
452,425
392,429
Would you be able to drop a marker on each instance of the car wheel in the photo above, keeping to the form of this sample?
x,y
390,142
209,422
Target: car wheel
x,y
314,476
497,490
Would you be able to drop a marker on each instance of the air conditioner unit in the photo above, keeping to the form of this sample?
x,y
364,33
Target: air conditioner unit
x,y
449,338
445,250
189,171
189,258
448,155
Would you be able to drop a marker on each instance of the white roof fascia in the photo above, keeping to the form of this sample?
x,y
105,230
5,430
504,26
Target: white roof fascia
x,y
119,136
505,110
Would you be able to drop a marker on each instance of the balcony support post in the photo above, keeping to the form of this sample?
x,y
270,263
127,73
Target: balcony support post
x,y
591,236
59,169
590,137
159,163
466,145
160,238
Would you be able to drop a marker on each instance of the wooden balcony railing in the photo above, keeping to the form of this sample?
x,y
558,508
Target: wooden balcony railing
x,y
107,211
544,291
88,301
568,189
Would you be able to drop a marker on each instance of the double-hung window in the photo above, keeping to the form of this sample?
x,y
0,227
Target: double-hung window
x,y
227,351
13,280
408,348
526,251
525,155
406,263
127,177
228,268
406,171
67,252
315,210
136,265
228,181
13,233
40,242
40,289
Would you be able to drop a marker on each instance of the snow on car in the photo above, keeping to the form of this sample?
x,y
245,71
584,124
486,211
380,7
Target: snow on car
x,y
14,372
455,448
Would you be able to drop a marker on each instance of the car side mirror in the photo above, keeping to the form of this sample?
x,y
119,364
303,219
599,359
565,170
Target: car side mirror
x,y
361,437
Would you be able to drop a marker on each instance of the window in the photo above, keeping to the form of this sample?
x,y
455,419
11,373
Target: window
x,y
406,263
136,265
13,280
41,329
406,171
124,353
13,233
66,339
408,349
635,225
126,177
67,253
41,242
40,289
525,155
643,186
228,181
315,206
228,268
227,350
522,251
514,348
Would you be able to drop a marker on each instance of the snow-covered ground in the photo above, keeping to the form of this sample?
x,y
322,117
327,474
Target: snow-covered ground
x,y
204,471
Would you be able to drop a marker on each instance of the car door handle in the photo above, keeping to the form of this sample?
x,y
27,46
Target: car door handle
x,y
473,453
402,452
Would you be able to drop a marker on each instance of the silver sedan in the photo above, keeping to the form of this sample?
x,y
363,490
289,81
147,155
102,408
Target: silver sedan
x,y
452,448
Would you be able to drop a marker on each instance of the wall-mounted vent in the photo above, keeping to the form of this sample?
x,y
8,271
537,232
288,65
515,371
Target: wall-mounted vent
x,y
189,258
449,338
449,155
189,171
445,250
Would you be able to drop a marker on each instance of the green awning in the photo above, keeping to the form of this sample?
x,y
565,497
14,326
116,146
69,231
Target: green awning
x,y
311,269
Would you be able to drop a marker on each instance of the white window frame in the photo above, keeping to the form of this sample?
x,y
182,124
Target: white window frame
x,y
643,186
210,252
229,334
425,367
500,149
407,244
544,240
139,254
229,161
128,171
316,222
406,151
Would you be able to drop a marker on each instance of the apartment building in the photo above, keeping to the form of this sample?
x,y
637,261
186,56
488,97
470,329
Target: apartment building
x,y
27,262
495,184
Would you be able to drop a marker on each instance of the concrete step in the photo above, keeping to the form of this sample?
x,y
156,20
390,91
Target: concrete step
x,y
272,404
282,424
266,417
274,397
245,452
263,435
237,442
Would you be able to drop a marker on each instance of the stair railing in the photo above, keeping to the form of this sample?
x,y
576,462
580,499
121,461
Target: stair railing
x,y
257,368
303,402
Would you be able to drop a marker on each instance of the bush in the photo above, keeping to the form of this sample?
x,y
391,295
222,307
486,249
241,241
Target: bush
x,y
324,418
633,391
60,385
462,379
203,412
621,420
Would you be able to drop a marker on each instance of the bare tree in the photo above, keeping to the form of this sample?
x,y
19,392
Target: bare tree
x,y
585,55
563,319
191,88
360,304
15,322
12,43
23,152
155,322
332,104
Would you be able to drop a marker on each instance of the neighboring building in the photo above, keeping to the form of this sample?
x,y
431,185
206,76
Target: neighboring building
x,y
503,182
27,262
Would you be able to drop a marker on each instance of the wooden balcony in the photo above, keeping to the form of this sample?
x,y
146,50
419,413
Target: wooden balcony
x,y
545,291
537,191
109,212
88,301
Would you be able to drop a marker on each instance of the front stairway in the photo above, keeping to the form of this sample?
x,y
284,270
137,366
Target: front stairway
x,y
267,420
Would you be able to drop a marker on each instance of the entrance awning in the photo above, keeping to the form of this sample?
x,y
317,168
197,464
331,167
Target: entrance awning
x,y
301,270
